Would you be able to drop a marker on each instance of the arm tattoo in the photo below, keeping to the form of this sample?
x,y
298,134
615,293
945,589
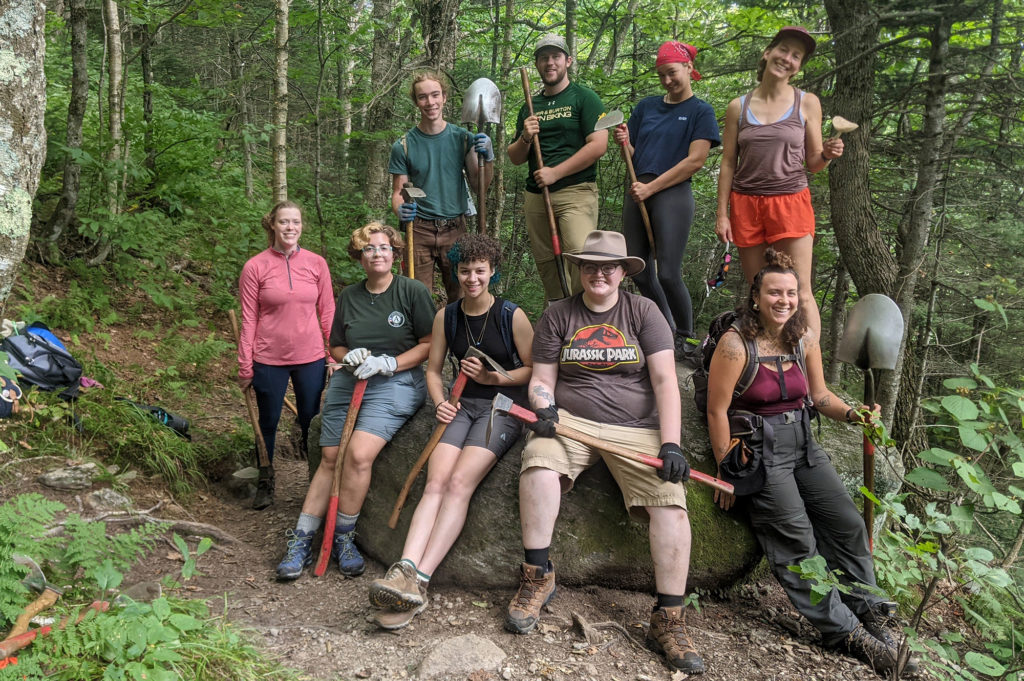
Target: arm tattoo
x,y
541,392
825,401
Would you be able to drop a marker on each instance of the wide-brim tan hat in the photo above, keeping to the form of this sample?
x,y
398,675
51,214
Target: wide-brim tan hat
x,y
602,246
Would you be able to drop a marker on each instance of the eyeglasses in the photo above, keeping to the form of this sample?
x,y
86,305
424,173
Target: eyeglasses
x,y
723,269
383,249
592,268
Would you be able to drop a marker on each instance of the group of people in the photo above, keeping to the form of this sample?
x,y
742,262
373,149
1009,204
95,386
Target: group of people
x,y
600,361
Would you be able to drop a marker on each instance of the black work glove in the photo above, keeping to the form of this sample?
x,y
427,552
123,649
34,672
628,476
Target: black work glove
x,y
544,426
676,469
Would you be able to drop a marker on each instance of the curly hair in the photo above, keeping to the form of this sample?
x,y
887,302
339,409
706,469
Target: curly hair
x,y
269,218
361,237
473,247
748,319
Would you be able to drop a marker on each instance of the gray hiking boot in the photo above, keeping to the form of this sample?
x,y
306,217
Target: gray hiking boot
x,y
669,637
299,555
397,619
350,561
870,650
398,590
882,622
536,588
264,489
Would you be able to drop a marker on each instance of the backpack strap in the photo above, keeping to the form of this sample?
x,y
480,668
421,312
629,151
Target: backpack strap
x,y
750,368
508,310
451,321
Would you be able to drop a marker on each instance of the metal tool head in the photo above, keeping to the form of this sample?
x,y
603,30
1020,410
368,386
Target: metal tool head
x,y
873,335
609,120
410,192
35,579
500,403
841,125
486,359
482,103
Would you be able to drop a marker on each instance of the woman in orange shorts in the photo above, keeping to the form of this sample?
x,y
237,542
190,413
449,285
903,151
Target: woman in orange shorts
x,y
771,136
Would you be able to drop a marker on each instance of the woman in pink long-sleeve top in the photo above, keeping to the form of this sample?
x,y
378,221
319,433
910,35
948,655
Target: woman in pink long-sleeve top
x,y
287,308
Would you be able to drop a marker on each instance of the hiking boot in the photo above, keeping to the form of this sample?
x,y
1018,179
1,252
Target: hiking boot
x,y
687,351
882,622
397,619
535,590
398,590
343,550
299,556
668,636
870,650
264,489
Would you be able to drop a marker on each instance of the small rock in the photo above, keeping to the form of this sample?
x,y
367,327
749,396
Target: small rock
x,y
274,632
106,499
506,673
70,477
461,656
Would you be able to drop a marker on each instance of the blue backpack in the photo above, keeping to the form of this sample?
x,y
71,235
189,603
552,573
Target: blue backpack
x,y
43,361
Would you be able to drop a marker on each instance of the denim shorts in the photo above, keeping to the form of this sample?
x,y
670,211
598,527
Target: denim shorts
x,y
389,401
469,427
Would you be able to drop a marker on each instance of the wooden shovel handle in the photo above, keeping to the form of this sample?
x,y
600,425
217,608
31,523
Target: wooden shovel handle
x,y
332,506
456,394
642,204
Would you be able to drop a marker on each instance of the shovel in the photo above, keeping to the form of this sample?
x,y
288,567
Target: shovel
x,y
871,340
482,105
611,120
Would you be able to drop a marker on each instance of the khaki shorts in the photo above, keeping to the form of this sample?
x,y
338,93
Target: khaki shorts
x,y
639,483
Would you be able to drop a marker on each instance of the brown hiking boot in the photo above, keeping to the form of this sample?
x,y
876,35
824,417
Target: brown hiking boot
x,y
398,590
882,622
870,650
397,619
668,636
535,589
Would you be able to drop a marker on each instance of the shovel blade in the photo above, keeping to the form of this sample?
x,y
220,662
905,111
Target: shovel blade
x,y
609,120
874,332
481,102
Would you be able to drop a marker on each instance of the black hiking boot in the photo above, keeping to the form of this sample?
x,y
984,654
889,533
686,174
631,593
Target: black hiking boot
x,y
264,489
882,622
870,650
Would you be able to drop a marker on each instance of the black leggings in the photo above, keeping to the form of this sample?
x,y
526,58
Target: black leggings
x,y
671,212
270,382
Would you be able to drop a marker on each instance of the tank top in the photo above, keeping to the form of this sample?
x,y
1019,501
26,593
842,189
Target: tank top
x,y
764,396
484,333
772,155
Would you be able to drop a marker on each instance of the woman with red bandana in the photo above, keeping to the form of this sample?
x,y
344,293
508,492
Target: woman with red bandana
x,y
668,137
772,138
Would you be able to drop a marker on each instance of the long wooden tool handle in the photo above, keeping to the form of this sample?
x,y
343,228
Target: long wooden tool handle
x,y
456,394
410,260
332,507
238,340
44,601
250,406
12,645
643,204
528,416
869,483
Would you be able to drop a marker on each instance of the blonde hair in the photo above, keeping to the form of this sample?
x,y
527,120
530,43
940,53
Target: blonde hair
x,y
361,238
435,76
269,218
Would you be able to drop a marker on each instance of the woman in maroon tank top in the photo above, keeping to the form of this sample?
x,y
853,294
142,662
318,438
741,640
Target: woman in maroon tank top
x,y
802,510
772,137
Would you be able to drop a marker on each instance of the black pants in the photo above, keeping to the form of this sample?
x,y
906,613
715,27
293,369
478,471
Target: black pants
x,y
270,383
671,213
804,510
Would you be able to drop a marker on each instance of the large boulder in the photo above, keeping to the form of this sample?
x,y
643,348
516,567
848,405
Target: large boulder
x,y
595,541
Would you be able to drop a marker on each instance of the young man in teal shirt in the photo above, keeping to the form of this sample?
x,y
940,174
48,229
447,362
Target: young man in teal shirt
x,y
432,156
564,117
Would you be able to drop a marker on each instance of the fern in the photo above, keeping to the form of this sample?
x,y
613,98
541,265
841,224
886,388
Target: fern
x,y
23,523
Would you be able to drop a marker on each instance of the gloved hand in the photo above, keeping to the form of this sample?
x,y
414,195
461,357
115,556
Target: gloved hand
x,y
544,426
407,212
676,469
355,357
482,145
384,365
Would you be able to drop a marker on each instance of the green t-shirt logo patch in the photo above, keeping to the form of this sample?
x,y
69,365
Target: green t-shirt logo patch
x,y
396,319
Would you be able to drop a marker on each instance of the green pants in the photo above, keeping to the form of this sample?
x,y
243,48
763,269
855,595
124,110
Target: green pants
x,y
575,209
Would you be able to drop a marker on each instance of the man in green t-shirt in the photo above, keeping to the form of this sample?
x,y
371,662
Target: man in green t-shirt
x,y
564,117
432,156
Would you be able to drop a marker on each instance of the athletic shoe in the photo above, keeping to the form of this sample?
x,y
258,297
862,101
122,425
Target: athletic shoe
x,y
669,637
299,556
687,351
343,550
398,590
264,489
397,619
870,650
536,588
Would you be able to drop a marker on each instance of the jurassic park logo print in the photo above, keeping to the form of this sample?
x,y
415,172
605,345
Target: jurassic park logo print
x,y
599,348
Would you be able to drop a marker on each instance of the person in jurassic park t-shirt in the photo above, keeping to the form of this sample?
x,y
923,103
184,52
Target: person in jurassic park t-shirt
x,y
603,363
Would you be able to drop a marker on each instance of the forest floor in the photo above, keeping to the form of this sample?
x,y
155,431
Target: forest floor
x,y
322,627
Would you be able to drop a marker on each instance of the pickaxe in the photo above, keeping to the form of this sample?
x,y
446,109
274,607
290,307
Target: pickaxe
x,y
453,399
505,405
409,194
250,406
36,581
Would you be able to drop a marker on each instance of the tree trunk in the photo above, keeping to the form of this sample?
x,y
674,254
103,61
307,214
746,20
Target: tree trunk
x,y
619,36
913,232
440,31
497,212
382,107
147,98
836,324
23,106
242,87
570,33
280,138
64,213
114,159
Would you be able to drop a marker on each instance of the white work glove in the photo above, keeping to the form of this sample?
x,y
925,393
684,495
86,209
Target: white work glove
x,y
355,357
385,365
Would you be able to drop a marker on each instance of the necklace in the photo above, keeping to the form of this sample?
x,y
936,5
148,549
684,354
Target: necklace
x,y
475,342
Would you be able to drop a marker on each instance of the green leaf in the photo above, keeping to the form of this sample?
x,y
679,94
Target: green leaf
x,y
1018,469
985,305
161,608
940,457
972,438
962,382
928,478
182,546
960,407
978,553
962,517
183,622
1005,503
204,545
984,664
